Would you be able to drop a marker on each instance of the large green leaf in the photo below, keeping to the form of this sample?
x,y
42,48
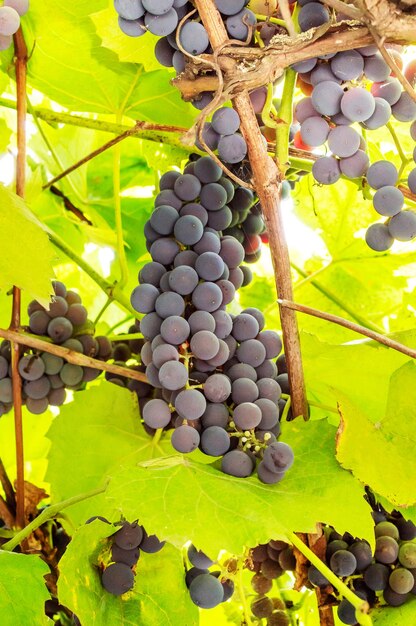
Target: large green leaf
x,y
23,592
95,435
26,253
358,371
182,499
128,49
380,448
70,66
159,595
395,615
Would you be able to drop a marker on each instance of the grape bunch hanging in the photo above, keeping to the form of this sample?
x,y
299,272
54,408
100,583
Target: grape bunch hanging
x,y
344,91
215,372
45,376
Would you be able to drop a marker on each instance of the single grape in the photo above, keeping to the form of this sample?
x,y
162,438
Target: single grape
x,y
272,342
403,226
129,536
132,28
343,141
407,555
217,388
31,367
382,173
206,591
156,414
358,104
386,529
404,110
247,416
244,390
237,463
215,441
237,24
150,543
188,230
225,121
127,9
60,329
173,375
387,550
375,68
117,579
376,576
207,297
347,65
401,580
252,352
326,97
356,165
71,375
314,131
269,413
185,439
312,15
326,170
278,457
388,200
9,21
343,563
190,404
363,555
394,599
232,148
194,38
161,25
380,117
174,329
316,578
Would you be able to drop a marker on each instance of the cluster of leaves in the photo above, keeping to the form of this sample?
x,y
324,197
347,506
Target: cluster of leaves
x,y
87,80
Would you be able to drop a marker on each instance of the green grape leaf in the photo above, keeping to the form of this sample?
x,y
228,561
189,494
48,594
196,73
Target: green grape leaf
x,y
27,266
358,371
128,49
5,134
159,595
395,615
23,591
69,65
95,435
379,447
245,512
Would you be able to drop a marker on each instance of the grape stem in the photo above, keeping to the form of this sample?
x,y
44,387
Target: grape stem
x,y
272,20
49,513
331,296
360,605
20,61
285,113
386,341
113,291
241,591
398,145
118,218
71,356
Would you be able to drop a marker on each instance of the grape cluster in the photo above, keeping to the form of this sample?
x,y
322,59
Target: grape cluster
x,y
339,98
222,135
10,14
46,376
388,575
126,546
207,588
388,201
214,372
162,17
269,561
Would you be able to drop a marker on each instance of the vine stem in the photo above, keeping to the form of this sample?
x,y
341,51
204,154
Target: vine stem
x,y
360,605
21,70
159,133
331,296
113,291
70,355
49,513
397,143
118,218
386,341
285,113
246,610
268,188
